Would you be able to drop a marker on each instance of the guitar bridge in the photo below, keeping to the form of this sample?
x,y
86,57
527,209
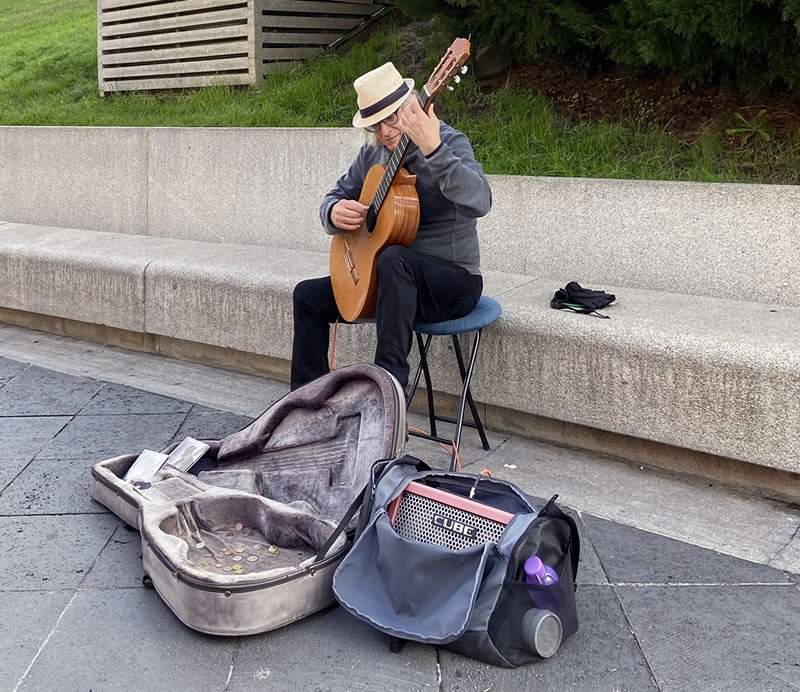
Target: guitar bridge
x,y
348,258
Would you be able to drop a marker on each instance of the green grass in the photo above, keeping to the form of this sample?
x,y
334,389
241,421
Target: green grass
x,y
48,76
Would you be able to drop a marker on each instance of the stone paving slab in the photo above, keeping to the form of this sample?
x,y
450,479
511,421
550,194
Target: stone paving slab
x,y
119,565
102,437
632,556
51,486
21,637
331,651
602,655
718,637
10,369
590,569
51,552
22,438
117,398
127,639
789,556
689,510
204,423
471,451
201,384
39,392
10,469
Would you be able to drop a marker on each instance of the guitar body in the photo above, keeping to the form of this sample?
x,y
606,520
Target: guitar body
x,y
354,254
391,189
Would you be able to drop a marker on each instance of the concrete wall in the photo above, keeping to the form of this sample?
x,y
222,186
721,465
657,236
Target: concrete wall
x,y
257,186
75,177
262,186
726,240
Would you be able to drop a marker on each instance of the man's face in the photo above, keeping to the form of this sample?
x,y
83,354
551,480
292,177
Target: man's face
x,y
388,132
389,136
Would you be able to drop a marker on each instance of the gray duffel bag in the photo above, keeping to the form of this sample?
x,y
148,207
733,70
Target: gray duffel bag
x,y
439,558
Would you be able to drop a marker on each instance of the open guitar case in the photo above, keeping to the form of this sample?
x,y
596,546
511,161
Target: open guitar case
x,y
233,546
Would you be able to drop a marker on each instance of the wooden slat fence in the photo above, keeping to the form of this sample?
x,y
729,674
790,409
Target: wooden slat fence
x,y
167,44
292,30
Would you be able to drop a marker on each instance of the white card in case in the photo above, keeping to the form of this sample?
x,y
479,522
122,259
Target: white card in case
x,y
187,454
147,465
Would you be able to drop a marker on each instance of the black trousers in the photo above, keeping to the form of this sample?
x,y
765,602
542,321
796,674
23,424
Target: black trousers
x,y
411,286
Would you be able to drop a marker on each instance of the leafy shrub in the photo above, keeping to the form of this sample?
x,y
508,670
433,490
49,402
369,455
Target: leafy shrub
x,y
747,42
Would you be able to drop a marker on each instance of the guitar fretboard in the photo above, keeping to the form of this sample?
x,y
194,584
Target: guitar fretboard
x,y
395,161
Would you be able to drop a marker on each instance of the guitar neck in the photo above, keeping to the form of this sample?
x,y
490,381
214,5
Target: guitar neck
x,y
395,161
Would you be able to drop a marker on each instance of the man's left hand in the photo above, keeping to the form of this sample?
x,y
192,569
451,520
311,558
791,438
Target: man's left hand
x,y
421,127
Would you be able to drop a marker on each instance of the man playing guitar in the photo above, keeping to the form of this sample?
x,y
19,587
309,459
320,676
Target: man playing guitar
x,y
438,276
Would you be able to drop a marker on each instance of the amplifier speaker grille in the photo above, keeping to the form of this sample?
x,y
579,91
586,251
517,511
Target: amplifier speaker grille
x,y
423,519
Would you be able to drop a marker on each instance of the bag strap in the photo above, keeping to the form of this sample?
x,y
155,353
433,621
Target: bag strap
x,y
360,501
551,509
380,469
348,515
575,307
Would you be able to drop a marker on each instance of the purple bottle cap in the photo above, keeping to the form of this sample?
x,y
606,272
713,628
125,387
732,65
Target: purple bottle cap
x,y
534,569
536,572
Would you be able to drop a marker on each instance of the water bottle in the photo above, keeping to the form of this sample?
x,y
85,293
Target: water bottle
x,y
536,572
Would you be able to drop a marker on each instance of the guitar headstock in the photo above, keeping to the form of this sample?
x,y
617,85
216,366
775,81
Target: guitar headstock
x,y
449,66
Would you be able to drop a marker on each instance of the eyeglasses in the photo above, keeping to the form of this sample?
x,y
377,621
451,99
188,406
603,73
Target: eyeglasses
x,y
389,120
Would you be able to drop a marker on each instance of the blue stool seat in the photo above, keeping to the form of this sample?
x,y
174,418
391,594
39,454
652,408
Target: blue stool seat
x,y
485,312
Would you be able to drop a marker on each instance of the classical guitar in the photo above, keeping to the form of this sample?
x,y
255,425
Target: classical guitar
x,y
393,214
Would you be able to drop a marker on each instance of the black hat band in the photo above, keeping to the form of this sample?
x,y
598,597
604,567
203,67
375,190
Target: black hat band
x,y
378,106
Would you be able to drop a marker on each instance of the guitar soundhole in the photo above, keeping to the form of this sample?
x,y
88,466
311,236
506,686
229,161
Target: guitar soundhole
x,y
371,219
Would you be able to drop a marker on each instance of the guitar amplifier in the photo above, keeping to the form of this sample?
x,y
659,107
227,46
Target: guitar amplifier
x,y
431,515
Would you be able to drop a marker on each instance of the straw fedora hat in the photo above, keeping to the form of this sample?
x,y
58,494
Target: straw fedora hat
x,y
380,93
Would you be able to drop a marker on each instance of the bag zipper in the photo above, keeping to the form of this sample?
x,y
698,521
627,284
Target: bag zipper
x,y
545,510
467,483
111,486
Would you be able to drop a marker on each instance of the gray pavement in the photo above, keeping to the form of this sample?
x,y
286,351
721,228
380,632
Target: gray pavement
x,y
665,598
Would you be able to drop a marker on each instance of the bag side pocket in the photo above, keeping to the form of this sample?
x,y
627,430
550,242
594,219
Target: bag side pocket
x,y
550,537
518,597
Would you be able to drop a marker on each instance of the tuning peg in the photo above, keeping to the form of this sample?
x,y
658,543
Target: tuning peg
x,y
449,88
457,79
464,69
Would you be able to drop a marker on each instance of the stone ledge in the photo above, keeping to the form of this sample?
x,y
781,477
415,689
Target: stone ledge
x,y
761,480
713,375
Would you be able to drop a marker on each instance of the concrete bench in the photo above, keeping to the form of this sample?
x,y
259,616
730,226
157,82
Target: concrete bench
x,y
199,235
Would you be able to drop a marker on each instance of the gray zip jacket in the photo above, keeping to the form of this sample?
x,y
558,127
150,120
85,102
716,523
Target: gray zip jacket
x,y
452,190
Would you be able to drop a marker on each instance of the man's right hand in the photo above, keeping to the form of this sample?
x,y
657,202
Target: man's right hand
x,y
348,215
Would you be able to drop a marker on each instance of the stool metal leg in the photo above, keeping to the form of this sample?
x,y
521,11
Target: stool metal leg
x,y
473,409
413,389
467,378
423,357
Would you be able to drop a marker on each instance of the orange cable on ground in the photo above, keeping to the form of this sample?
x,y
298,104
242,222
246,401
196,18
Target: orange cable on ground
x,y
450,450
458,461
